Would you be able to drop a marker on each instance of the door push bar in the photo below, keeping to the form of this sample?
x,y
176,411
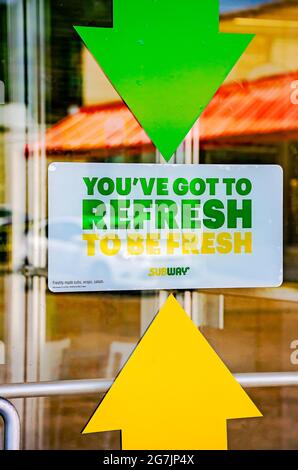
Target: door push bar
x,y
12,428
12,425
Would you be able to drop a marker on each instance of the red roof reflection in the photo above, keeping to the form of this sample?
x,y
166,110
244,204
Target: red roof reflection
x,y
249,108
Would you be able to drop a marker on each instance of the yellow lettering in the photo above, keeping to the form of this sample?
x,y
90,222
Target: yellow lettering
x,y
90,238
172,243
224,241
190,244
243,240
208,243
135,244
152,244
110,245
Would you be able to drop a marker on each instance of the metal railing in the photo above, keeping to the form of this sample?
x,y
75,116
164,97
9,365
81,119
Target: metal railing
x,y
92,386
49,389
266,379
12,425
82,387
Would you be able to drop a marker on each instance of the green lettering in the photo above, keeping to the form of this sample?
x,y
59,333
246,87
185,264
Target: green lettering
x,y
94,212
244,213
180,186
140,214
123,190
243,186
166,212
119,215
229,185
197,186
147,187
212,185
90,184
190,214
106,186
162,187
213,210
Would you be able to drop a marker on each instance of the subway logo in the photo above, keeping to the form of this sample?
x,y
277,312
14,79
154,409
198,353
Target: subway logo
x,y
180,271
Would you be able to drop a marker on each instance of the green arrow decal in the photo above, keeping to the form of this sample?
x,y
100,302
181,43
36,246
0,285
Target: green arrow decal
x,y
166,59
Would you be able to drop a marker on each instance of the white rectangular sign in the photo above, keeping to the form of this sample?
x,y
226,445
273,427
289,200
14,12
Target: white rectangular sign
x,y
135,227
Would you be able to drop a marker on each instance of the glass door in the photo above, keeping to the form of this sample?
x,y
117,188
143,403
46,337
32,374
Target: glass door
x,y
56,98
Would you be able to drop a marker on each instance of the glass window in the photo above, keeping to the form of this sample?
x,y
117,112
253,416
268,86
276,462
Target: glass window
x,y
57,105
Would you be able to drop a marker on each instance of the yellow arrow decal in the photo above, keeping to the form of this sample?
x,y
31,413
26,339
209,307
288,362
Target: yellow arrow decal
x,y
174,392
